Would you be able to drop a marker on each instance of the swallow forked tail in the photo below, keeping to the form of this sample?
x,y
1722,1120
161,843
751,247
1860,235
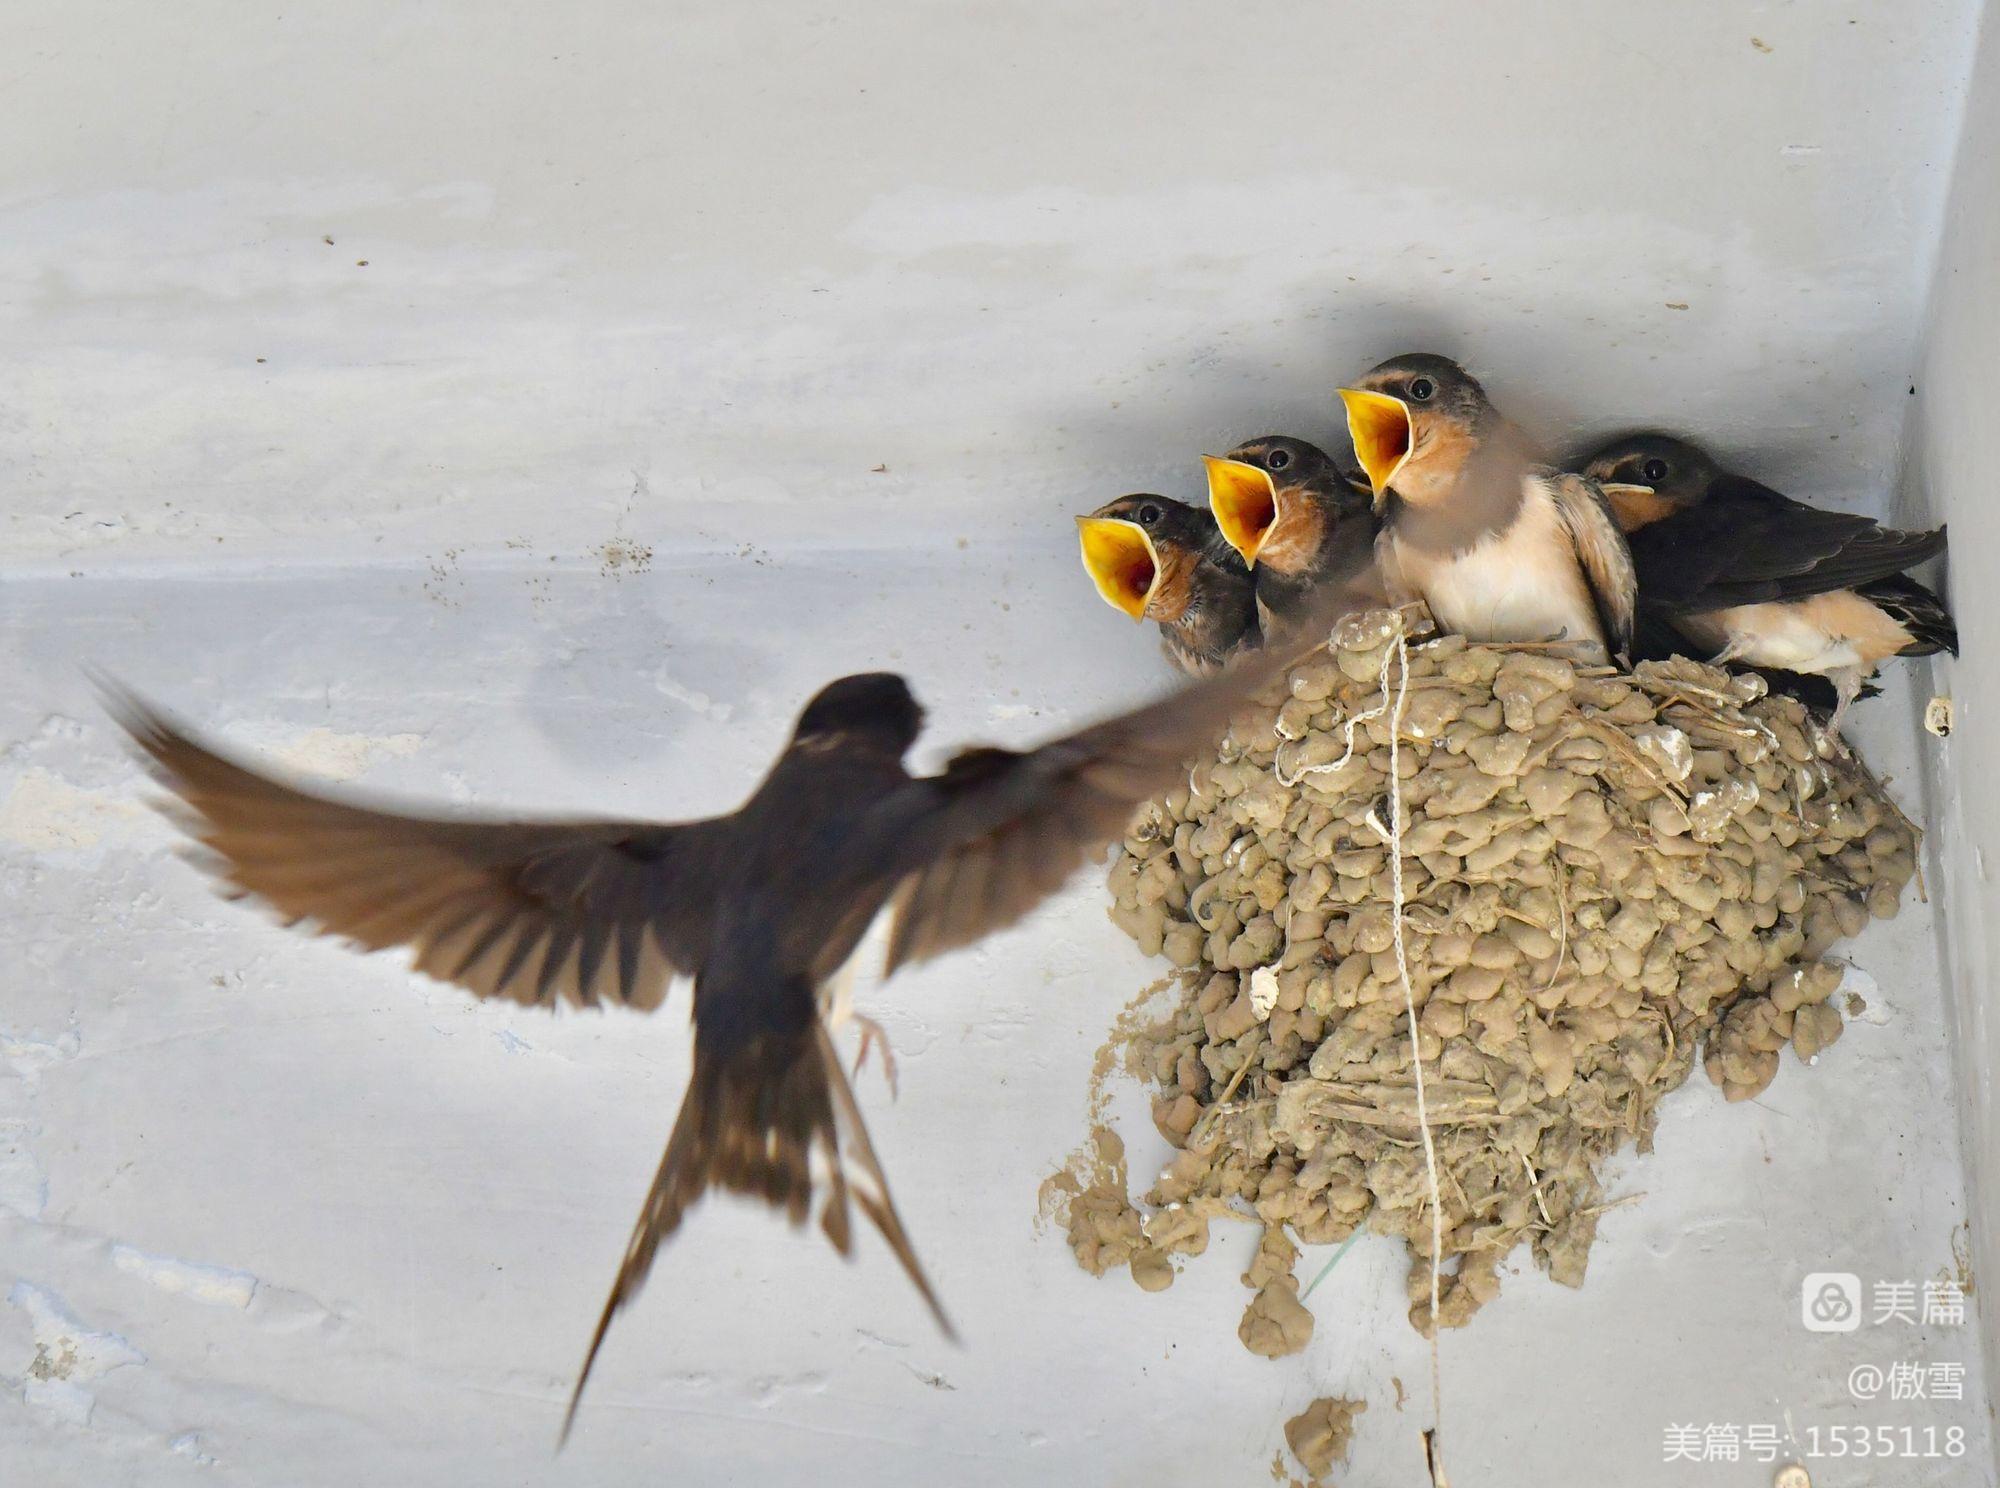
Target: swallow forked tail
x,y
759,1121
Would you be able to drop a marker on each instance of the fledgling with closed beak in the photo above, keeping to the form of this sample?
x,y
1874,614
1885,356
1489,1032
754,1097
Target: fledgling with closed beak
x,y
1754,577
762,908
1501,548
1300,522
1158,559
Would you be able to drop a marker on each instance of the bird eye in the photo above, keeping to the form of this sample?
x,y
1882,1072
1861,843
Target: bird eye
x,y
1654,470
1149,514
1421,389
1277,459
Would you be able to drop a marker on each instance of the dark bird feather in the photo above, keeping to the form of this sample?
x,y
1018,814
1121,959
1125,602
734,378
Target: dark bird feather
x,y
1917,609
1747,544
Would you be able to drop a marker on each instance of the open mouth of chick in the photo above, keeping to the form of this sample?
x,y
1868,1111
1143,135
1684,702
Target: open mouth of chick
x,y
1121,562
1383,434
1244,501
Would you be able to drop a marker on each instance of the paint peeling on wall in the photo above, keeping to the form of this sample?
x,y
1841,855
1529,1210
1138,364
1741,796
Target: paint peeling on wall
x,y
44,813
67,1358
218,1285
337,756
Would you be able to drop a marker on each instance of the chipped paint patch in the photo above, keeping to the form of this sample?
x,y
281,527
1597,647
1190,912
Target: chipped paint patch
x,y
67,1355
699,702
55,731
45,813
337,756
512,1042
1863,998
24,1185
218,1285
188,1444
24,1182
28,1056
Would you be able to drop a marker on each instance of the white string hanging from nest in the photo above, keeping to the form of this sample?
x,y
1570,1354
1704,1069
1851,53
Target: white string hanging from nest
x,y
1397,654
1398,651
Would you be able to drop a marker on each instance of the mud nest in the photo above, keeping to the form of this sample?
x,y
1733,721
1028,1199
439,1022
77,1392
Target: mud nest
x,y
1605,873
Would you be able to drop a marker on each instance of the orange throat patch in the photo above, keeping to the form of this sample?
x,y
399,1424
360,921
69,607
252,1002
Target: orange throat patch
x,y
1437,459
1173,585
1635,508
1293,541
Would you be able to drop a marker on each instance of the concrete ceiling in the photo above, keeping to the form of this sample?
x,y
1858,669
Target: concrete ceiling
x,y
693,272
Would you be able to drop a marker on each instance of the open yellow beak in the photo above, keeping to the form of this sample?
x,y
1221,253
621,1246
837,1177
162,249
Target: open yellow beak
x,y
1119,557
1244,500
1380,427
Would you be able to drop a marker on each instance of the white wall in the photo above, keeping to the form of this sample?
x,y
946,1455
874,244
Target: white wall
x,y
694,270
1952,455
663,283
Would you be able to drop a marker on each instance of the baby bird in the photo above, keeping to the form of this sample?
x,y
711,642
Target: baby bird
x,y
1758,578
1299,522
1162,560
1501,548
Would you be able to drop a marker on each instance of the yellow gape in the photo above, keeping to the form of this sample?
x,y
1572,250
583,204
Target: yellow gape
x,y
1244,499
1119,557
1379,425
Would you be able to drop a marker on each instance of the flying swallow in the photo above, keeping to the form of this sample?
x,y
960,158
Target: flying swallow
x,y
1499,547
1761,579
762,908
1299,521
1162,560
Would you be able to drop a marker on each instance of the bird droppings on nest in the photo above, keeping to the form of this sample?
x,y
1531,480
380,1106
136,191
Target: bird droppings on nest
x,y
1605,874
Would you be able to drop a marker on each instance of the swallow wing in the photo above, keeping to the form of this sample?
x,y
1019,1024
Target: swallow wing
x,y
999,831
537,912
1748,544
1602,551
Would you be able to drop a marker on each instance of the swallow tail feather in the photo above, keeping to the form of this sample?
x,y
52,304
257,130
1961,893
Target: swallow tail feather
x,y
771,1118
1918,610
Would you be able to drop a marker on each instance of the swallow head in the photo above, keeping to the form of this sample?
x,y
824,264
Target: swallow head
x,y
870,708
1259,491
1138,549
1649,476
1409,408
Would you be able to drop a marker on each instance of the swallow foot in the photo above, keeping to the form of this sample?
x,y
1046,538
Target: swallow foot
x,y
871,1035
1828,743
1847,687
